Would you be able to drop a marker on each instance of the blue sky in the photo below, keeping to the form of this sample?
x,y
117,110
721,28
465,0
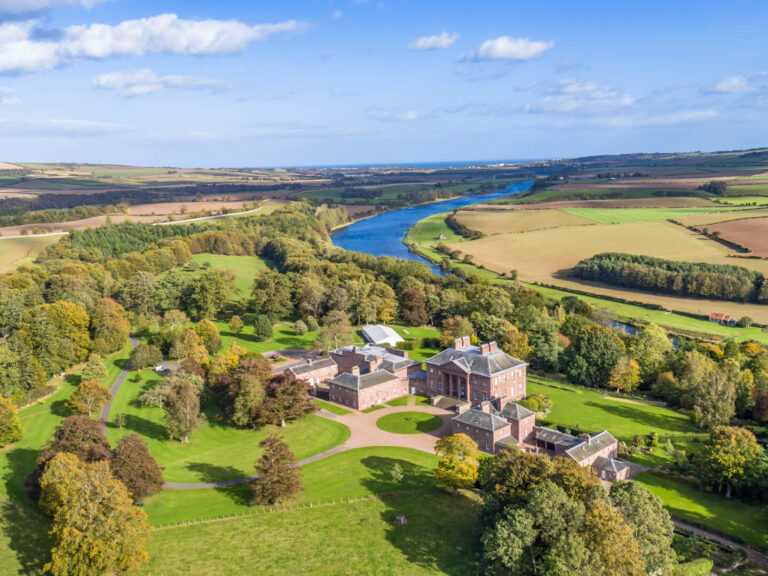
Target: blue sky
x,y
289,83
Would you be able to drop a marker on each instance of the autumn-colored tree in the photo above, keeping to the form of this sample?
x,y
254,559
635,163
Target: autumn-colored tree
x,y
608,536
94,369
625,375
453,473
182,410
279,476
287,400
453,328
209,335
10,425
236,324
78,435
89,396
192,366
511,473
96,528
109,326
515,343
174,319
731,459
459,446
135,467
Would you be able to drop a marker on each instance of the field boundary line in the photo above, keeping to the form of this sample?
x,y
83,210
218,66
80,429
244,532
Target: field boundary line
x,y
265,511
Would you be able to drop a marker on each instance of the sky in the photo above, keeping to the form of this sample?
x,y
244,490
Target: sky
x,y
338,82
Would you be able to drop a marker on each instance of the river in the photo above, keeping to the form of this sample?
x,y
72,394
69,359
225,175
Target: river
x,y
383,235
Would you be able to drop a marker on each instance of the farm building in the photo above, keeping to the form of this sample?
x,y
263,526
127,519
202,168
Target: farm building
x,y
381,335
723,319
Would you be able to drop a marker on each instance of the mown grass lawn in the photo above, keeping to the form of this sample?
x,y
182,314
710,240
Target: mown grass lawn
x,y
217,451
244,268
352,474
351,538
584,410
331,407
39,420
24,542
409,422
404,400
749,523
283,337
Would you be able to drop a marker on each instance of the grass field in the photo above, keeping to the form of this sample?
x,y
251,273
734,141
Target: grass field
x,y
584,410
551,194
748,189
623,310
409,422
346,538
511,221
750,523
355,473
404,400
625,215
24,541
745,200
283,337
17,251
331,407
244,268
419,333
217,451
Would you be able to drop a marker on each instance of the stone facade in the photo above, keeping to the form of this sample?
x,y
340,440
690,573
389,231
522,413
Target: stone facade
x,y
361,391
484,428
314,372
475,374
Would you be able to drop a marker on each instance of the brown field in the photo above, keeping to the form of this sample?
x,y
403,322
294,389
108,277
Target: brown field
x,y
547,256
358,210
716,217
17,251
751,233
661,202
138,213
503,222
7,166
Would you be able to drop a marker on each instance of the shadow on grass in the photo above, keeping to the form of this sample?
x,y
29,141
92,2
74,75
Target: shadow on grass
x,y
240,494
661,422
21,463
442,533
145,427
27,538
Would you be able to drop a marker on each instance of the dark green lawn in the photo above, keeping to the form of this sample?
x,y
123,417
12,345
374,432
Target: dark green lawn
x,y
409,422
24,542
749,523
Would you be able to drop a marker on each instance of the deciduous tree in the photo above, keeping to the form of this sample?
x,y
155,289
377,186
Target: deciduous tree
x,y
453,473
135,467
279,476
182,410
145,355
94,369
592,355
89,396
10,425
625,375
109,326
236,324
96,529
731,459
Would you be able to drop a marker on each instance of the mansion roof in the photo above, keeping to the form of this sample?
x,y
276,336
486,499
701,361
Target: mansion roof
x,y
470,360
586,448
609,464
306,367
513,411
480,419
358,382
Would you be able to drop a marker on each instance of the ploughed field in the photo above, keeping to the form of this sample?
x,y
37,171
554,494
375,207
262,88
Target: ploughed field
x,y
544,246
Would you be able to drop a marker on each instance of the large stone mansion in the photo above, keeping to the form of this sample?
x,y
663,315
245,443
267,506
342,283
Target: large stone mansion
x,y
481,383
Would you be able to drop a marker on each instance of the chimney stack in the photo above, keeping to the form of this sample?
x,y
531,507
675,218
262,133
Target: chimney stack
x,y
484,349
467,340
587,438
355,371
458,343
492,346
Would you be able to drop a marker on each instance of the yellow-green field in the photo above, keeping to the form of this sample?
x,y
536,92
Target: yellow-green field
x,y
17,251
510,221
547,254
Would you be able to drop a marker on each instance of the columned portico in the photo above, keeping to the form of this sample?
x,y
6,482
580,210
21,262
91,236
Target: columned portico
x,y
455,385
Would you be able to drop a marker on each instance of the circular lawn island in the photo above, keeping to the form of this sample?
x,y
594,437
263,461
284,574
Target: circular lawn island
x,y
409,422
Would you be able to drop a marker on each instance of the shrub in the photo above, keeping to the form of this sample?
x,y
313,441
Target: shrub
x,y
299,328
312,324
262,328
745,322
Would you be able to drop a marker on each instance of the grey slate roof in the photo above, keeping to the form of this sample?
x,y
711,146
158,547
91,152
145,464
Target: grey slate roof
x,y
389,361
469,359
555,437
584,450
480,419
609,464
305,367
507,441
512,411
353,382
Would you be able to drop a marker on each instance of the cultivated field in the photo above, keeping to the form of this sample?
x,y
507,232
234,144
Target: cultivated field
x,y
704,219
17,251
751,233
547,255
505,222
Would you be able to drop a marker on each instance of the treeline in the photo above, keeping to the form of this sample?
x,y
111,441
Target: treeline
x,y
460,229
62,215
696,279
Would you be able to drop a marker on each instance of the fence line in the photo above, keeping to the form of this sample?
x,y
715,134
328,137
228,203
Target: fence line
x,y
266,510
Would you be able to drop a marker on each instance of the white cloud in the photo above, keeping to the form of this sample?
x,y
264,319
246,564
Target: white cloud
x,y
7,97
27,6
59,128
143,82
577,96
396,115
730,85
434,42
21,51
508,48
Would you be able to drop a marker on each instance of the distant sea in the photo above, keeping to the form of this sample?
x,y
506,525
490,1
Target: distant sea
x,y
454,164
